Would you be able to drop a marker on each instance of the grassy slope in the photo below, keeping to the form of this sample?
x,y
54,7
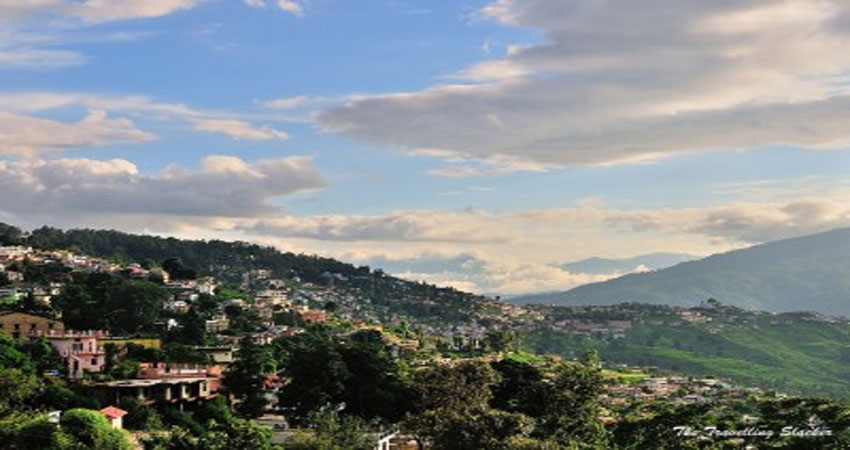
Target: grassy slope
x,y
800,357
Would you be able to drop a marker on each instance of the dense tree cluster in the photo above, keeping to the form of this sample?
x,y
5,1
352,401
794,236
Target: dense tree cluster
x,y
100,301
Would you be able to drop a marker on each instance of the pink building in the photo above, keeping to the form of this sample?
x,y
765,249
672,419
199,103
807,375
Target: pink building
x,y
80,350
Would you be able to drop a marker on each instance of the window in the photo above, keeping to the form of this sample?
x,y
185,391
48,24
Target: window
x,y
32,326
17,326
50,326
94,361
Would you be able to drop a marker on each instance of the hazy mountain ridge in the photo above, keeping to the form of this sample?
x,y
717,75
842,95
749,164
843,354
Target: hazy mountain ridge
x,y
605,266
803,273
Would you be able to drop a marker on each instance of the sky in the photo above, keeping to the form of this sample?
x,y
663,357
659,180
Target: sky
x,y
477,144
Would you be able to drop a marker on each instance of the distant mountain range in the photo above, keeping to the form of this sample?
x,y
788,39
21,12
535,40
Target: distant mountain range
x,y
804,273
605,266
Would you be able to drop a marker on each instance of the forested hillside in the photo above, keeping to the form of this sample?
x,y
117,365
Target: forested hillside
x,y
230,261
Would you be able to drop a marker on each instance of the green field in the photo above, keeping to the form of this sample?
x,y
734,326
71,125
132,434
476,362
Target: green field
x,y
773,352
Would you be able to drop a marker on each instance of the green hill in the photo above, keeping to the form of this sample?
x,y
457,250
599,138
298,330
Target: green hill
x,y
796,353
230,261
804,273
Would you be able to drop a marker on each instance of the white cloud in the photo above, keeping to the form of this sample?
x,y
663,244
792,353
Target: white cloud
x,y
516,252
422,226
93,10
626,81
39,58
238,129
289,6
237,126
25,135
21,9
287,103
82,189
735,223
110,10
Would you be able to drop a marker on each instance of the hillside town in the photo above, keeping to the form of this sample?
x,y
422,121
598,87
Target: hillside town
x,y
262,310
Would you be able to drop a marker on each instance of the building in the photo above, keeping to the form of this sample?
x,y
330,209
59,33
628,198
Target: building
x,y
176,370
21,325
178,391
114,416
80,349
222,355
313,316
217,324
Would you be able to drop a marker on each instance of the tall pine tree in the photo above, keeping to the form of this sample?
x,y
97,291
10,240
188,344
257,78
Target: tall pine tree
x,y
245,379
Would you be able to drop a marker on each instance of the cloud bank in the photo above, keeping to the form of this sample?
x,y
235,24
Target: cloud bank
x,y
631,80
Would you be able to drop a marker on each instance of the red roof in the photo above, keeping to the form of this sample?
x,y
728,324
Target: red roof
x,y
112,412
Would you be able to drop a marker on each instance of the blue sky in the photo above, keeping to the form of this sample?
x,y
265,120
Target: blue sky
x,y
485,140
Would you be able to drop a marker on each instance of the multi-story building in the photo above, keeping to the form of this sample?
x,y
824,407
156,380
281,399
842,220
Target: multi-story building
x,y
163,383
22,326
80,349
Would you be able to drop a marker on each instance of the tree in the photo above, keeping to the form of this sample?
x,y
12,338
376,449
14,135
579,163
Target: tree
x,y
501,340
177,270
92,430
521,389
236,434
450,429
374,387
245,379
571,410
45,357
317,374
216,410
334,431
17,389
466,385
192,330
134,306
10,235
453,409
103,301
139,416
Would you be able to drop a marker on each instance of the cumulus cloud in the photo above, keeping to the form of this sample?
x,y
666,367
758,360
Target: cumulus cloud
x,y
225,186
625,81
26,135
479,272
239,129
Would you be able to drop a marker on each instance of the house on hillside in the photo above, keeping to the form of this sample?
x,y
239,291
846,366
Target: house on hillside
x,y
80,350
114,416
22,325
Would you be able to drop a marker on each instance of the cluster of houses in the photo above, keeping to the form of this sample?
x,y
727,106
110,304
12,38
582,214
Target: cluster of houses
x,y
675,389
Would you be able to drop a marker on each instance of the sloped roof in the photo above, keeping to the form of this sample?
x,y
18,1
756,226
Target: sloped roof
x,y
112,412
